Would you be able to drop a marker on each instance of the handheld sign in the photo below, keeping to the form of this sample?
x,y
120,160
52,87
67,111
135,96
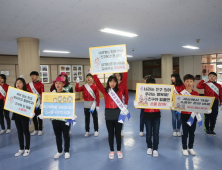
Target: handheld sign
x,y
20,102
58,105
108,59
199,104
154,96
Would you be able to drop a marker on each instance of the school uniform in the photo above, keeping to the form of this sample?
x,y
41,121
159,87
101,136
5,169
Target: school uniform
x,y
3,112
40,89
188,130
210,119
112,112
88,102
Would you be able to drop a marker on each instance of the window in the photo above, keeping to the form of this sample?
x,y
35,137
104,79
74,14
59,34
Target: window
x,y
176,65
152,67
67,70
77,71
44,73
212,63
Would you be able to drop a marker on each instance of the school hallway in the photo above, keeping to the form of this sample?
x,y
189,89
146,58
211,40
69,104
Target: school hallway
x,y
92,153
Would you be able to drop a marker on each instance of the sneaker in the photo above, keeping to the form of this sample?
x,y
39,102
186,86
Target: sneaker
x,y
96,133
111,155
141,134
26,153
87,134
155,153
2,131
213,133
19,152
192,152
149,151
178,134
67,155
119,154
208,132
34,133
185,152
57,155
70,132
8,131
174,134
40,133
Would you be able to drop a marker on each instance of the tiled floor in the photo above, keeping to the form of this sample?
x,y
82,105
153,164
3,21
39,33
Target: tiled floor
x,y
92,152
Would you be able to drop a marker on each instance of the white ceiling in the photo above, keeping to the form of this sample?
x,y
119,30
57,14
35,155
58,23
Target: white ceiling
x,y
163,26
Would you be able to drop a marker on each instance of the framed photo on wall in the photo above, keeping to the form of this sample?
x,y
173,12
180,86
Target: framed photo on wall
x,y
67,70
77,71
44,73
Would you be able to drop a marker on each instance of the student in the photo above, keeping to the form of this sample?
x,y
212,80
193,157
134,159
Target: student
x,y
152,123
142,112
212,89
112,111
178,87
22,124
91,103
59,125
125,93
4,113
188,130
37,88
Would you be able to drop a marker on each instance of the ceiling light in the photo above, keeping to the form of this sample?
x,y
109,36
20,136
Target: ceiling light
x,y
49,51
190,47
111,31
129,55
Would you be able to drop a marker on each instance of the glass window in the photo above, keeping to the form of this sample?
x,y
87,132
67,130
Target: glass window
x,y
209,58
152,67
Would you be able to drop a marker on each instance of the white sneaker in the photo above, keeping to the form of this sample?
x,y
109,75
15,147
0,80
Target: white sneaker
x,y
2,131
155,153
96,134
141,134
70,132
149,151
174,134
8,131
19,152
185,152
111,155
178,134
192,152
87,134
34,133
26,153
40,133
57,155
119,154
67,155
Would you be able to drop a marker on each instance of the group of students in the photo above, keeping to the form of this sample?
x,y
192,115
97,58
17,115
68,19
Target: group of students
x,y
151,117
116,83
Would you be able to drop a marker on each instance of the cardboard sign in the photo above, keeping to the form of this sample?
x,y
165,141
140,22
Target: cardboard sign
x,y
108,59
58,105
154,96
20,102
199,104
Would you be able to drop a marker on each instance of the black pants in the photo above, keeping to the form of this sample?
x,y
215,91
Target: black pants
x,y
4,113
22,125
141,120
37,121
188,130
113,127
87,119
210,119
60,128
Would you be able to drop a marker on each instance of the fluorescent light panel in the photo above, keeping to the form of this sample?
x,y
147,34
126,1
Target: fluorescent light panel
x,y
129,56
50,51
117,32
190,47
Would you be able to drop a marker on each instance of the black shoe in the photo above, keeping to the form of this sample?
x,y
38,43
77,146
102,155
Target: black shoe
x,y
213,133
208,133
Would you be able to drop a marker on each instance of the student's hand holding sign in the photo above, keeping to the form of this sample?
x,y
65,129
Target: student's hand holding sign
x,y
77,80
135,103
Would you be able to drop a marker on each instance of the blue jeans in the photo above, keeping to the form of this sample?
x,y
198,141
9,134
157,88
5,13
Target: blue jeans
x,y
152,130
141,120
176,121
